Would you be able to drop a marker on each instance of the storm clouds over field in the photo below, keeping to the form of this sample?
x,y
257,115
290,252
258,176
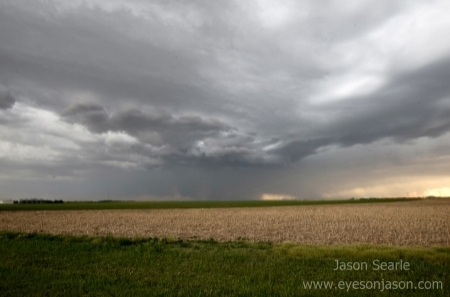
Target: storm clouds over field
x,y
224,100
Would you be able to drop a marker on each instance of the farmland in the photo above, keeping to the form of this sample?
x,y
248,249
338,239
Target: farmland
x,y
224,251
412,223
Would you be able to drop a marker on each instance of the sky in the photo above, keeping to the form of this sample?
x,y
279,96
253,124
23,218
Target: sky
x,y
213,100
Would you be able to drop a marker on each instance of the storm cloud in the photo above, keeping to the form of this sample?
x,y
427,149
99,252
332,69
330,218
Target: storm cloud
x,y
232,100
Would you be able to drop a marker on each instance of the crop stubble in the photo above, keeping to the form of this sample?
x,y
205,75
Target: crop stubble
x,y
416,223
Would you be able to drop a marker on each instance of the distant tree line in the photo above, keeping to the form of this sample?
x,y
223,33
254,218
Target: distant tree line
x,y
36,201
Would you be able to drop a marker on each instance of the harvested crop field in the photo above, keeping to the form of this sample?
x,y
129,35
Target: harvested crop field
x,y
414,223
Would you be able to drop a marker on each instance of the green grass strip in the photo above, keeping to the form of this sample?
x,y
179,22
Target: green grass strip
x,y
185,204
50,265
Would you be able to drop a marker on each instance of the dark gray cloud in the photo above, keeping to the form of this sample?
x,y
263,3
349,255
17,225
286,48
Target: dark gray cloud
x,y
6,99
135,121
91,115
221,101
179,138
298,149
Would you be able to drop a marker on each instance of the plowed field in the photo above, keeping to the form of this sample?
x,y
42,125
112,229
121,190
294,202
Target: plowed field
x,y
415,223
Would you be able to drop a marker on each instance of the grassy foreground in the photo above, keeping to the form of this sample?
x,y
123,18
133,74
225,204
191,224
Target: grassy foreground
x,y
187,204
47,265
